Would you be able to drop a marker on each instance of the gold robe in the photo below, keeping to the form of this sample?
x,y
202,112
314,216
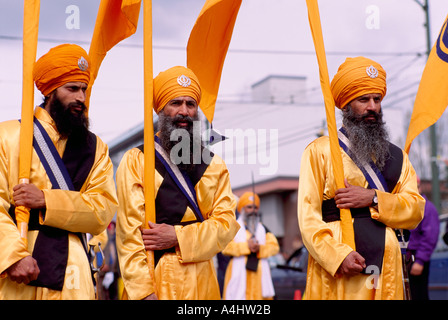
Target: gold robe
x,y
189,273
402,208
253,278
87,211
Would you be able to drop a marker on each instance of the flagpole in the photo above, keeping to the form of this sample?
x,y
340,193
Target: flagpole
x,y
336,158
30,37
148,132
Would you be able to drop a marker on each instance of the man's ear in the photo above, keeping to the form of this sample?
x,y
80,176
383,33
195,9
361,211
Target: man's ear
x,y
48,99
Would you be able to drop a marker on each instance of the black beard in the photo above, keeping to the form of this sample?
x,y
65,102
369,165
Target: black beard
x,y
69,124
368,139
167,125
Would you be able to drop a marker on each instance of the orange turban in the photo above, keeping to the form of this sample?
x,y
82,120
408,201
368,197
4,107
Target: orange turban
x,y
356,77
175,82
246,199
62,64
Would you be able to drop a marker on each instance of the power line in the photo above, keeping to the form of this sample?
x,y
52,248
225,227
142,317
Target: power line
x,y
396,74
244,51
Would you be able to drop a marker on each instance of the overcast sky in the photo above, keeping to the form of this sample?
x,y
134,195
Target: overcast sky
x,y
270,37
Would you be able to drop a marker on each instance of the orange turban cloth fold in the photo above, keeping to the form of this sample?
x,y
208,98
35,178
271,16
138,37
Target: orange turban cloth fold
x,y
356,77
175,82
62,64
246,199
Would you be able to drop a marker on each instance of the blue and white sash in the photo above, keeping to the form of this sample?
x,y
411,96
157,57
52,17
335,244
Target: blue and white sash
x,y
181,179
372,174
50,159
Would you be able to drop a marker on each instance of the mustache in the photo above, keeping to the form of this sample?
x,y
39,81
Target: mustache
x,y
72,105
370,113
181,118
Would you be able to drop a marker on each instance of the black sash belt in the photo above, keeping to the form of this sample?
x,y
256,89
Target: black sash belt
x,y
50,251
370,234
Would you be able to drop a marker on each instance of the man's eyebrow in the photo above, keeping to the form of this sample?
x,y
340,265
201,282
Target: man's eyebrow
x,y
76,86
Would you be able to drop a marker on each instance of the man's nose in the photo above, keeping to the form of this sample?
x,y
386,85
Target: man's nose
x,y
81,96
372,105
183,109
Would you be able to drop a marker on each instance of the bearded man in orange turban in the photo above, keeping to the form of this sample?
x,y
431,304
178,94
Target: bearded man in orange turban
x,y
381,193
194,204
71,190
248,274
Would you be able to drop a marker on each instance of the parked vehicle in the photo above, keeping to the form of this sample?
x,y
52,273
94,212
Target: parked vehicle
x,y
289,277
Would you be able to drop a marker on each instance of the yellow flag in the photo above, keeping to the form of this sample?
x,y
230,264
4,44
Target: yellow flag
x,y
336,159
432,95
116,20
30,36
207,48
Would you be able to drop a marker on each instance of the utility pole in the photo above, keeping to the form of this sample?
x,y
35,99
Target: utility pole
x,y
432,129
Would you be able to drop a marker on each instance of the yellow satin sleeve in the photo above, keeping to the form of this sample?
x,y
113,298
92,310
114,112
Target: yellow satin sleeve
x,y
237,249
130,219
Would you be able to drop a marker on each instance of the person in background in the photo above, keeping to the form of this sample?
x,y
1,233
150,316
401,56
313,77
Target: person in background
x,y
248,275
109,272
422,242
